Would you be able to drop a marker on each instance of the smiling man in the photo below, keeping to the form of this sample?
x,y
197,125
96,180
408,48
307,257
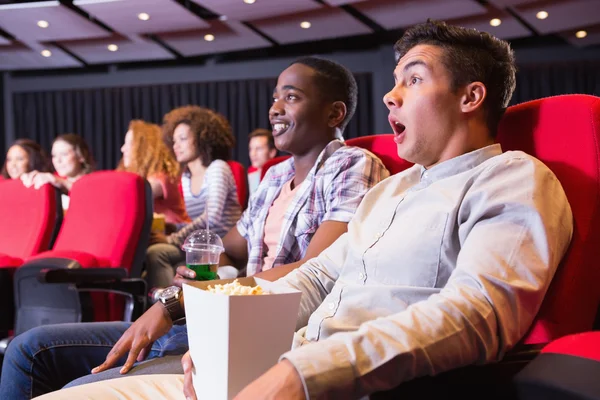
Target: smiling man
x,y
300,208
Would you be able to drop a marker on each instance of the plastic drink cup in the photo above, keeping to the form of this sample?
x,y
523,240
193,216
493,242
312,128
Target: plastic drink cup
x,y
202,251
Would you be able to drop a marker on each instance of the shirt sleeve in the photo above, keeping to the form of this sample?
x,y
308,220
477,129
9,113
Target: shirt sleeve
x,y
220,182
355,175
514,238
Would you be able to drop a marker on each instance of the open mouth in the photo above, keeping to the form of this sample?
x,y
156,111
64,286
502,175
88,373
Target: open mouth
x,y
398,129
280,128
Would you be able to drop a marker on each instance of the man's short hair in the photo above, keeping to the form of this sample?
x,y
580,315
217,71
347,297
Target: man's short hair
x,y
261,132
336,83
469,56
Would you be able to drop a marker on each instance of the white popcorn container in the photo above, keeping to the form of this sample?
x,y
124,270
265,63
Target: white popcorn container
x,y
235,339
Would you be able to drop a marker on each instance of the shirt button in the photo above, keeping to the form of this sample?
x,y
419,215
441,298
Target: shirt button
x,y
361,276
378,235
331,305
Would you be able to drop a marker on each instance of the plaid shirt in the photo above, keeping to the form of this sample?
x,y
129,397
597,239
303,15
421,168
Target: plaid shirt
x,y
332,191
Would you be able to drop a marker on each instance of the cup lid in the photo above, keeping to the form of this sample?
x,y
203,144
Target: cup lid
x,y
203,240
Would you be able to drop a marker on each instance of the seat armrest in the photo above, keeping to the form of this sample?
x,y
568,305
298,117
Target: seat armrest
x,y
81,275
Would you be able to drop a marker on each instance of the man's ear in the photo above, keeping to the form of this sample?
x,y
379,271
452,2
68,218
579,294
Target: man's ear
x,y
337,113
473,96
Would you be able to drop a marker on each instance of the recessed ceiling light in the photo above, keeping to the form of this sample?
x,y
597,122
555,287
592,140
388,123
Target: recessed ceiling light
x,y
209,38
112,47
43,24
581,34
305,24
223,18
144,16
495,22
249,1
541,15
46,53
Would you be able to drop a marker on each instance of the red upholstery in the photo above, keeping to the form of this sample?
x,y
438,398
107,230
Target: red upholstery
x,y
241,181
384,147
586,345
102,229
28,218
270,163
564,133
8,262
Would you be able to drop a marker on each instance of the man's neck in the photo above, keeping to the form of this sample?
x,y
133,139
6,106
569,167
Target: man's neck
x,y
303,163
196,167
462,143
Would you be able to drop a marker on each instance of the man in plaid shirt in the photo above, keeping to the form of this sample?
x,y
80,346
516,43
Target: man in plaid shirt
x,y
301,207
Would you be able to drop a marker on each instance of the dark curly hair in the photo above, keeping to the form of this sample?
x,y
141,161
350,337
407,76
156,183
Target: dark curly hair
x,y
469,56
38,159
212,132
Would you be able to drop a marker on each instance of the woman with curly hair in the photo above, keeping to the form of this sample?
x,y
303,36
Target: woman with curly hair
x,y
145,154
24,156
202,141
71,158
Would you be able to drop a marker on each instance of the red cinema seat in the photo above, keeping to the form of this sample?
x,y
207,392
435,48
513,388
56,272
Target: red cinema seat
x,y
241,182
384,147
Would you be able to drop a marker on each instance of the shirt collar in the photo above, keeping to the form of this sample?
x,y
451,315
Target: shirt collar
x,y
288,168
461,163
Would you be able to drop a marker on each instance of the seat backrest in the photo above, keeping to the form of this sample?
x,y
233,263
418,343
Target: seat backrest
x,y
109,217
384,147
241,181
564,133
270,163
29,218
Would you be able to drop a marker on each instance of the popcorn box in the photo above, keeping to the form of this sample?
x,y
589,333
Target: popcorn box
x,y
235,339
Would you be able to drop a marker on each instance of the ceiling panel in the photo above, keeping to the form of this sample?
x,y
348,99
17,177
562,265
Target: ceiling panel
x,y
20,57
393,14
325,23
341,2
562,15
509,28
4,41
132,48
510,3
592,38
21,20
228,36
238,10
122,15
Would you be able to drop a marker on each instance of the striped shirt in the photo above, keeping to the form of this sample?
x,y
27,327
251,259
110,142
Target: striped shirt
x,y
332,191
220,193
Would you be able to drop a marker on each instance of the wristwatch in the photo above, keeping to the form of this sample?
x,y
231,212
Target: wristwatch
x,y
170,300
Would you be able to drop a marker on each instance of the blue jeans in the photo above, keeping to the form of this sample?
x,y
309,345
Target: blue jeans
x,y
48,357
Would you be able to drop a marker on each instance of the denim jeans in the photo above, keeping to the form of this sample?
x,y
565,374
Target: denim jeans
x,y
48,357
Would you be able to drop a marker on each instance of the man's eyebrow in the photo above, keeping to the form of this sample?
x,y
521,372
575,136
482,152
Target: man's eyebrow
x,y
414,63
288,87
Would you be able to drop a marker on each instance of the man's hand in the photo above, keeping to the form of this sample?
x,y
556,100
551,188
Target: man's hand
x,y
138,339
183,275
188,386
282,381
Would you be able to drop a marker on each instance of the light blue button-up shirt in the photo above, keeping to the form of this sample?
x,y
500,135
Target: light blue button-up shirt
x,y
440,268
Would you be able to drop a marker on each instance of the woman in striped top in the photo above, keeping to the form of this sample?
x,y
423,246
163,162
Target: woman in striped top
x,y
202,140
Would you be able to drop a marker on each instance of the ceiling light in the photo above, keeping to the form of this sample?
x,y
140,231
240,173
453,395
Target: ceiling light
x,y
209,38
46,53
305,24
541,15
581,34
495,22
43,24
112,47
223,18
249,1
144,16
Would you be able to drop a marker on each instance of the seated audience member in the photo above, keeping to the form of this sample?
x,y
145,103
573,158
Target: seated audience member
x,y
71,159
445,264
261,148
145,154
202,140
323,182
24,156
